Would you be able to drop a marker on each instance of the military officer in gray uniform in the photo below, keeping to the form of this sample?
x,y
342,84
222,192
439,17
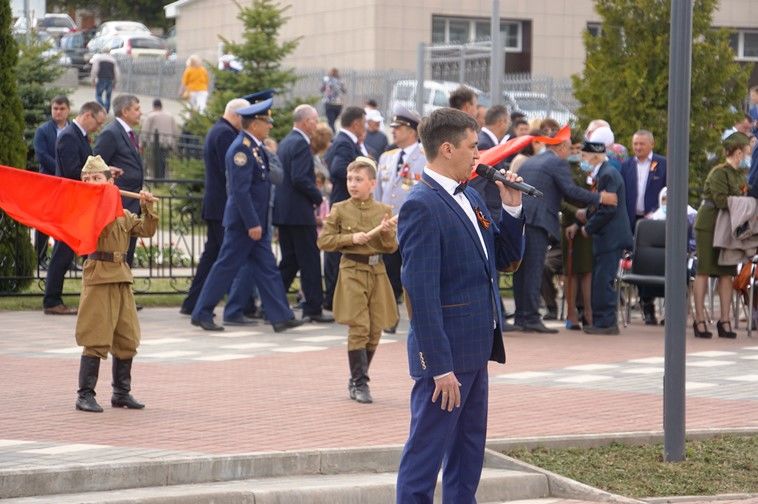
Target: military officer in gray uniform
x,y
398,171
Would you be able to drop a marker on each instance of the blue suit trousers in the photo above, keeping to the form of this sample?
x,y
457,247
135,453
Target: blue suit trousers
x,y
526,280
454,441
604,296
237,251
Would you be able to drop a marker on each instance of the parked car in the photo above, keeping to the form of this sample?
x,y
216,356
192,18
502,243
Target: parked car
x,y
139,47
74,46
56,25
119,27
537,106
436,95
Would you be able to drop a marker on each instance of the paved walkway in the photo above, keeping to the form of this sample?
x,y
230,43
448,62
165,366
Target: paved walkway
x,y
250,390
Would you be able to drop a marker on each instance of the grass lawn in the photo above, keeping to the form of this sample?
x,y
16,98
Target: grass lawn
x,y
724,464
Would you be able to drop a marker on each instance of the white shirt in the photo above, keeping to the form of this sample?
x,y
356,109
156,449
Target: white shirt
x,y
307,138
490,134
643,169
124,125
84,132
355,140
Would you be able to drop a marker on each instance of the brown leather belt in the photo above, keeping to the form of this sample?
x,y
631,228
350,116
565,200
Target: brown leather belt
x,y
116,257
364,259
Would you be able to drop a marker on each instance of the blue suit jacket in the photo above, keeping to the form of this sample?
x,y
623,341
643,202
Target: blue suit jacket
x,y
608,225
297,195
341,153
71,152
217,142
656,181
551,175
450,285
248,185
114,146
45,139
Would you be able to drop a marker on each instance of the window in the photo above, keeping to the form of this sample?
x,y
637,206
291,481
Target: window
x,y
745,44
454,30
595,29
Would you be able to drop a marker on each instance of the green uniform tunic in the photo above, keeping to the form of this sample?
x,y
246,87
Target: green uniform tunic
x,y
363,297
723,181
107,320
582,246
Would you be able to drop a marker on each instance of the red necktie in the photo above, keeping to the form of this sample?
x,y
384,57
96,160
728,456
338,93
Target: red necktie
x,y
134,140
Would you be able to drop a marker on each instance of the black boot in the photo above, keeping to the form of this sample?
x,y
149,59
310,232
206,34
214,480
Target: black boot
x,y
359,376
89,368
648,312
122,385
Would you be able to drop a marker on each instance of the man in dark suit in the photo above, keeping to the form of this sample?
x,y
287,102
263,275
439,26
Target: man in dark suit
x,y
71,152
294,203
44,149
118,145
451,248
247,241
609,228
217,142
344,149
644,176
550,173
496,123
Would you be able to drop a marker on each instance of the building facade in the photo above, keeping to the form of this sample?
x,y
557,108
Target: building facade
x,y
542,37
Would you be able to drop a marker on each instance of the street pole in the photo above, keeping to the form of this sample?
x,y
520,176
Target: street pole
x,y
496,58
680,73
420,77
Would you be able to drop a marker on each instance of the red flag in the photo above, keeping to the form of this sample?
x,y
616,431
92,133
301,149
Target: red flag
x,y
496,154
68,210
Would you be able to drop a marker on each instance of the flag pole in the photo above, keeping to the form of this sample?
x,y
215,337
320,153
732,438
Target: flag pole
x,y
134,195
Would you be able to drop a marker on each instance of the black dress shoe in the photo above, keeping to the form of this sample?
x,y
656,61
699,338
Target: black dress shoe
x,y
538,327
185,311
614,329
139,307
241,321
320,318
208,325
287,324
507,327
551,315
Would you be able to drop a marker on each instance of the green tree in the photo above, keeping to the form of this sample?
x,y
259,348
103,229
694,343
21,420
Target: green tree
x,y
625,78
16,253
261,53
35,71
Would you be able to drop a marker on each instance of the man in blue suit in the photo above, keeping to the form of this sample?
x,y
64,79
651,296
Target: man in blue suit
x,y
345,147
294,203
118,145
644,176
550,173
71,152
217,142
609,228
451,249
44,148
247,242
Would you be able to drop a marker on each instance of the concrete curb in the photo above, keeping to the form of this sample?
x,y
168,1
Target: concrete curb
x,y
700,498
595,440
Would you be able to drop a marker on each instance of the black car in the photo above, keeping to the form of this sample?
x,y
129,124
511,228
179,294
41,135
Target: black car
x,y
74,46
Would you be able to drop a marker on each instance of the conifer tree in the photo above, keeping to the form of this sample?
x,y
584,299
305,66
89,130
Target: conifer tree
x,y
16,252
625,78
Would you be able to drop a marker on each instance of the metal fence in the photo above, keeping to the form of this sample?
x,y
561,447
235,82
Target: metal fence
x,y
152,77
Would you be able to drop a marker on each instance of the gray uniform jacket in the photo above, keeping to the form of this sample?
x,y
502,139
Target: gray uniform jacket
x,y
393,185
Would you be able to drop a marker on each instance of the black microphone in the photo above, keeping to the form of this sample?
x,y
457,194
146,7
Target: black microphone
x,y
492,174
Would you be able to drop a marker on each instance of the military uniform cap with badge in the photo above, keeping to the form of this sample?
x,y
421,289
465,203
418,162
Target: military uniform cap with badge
x,y
403,116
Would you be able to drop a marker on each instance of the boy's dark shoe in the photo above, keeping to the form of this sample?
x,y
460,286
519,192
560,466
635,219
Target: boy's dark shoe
x,y
89,369
288,324
122,385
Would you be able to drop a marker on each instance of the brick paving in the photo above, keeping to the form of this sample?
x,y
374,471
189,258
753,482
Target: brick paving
x,y
251,390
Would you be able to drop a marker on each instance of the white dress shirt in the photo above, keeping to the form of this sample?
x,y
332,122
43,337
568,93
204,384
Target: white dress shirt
x,y
643,170
490,134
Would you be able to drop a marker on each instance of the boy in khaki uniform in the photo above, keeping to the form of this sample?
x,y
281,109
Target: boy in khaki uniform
x,y
107,320
362,229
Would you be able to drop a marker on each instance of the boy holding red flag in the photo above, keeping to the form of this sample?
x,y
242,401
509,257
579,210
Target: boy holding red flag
x,y
107,319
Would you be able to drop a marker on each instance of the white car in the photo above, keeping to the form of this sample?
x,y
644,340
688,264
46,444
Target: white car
x,y
120,27
537,106
56,25
436,95
138,47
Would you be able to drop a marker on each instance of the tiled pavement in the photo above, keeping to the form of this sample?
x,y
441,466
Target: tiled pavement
x,y
250,390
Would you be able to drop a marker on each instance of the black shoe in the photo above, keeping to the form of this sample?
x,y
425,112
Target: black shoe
x,y
391,329
89,369
122,385
327,307
320,318
538,327
614,329
208,325
551,315
705,333
139,307
255,313
288,324
363,394
241,321
506,327
723,332
185,311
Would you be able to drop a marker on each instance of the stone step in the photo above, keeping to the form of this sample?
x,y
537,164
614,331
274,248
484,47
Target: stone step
x,y
497,485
